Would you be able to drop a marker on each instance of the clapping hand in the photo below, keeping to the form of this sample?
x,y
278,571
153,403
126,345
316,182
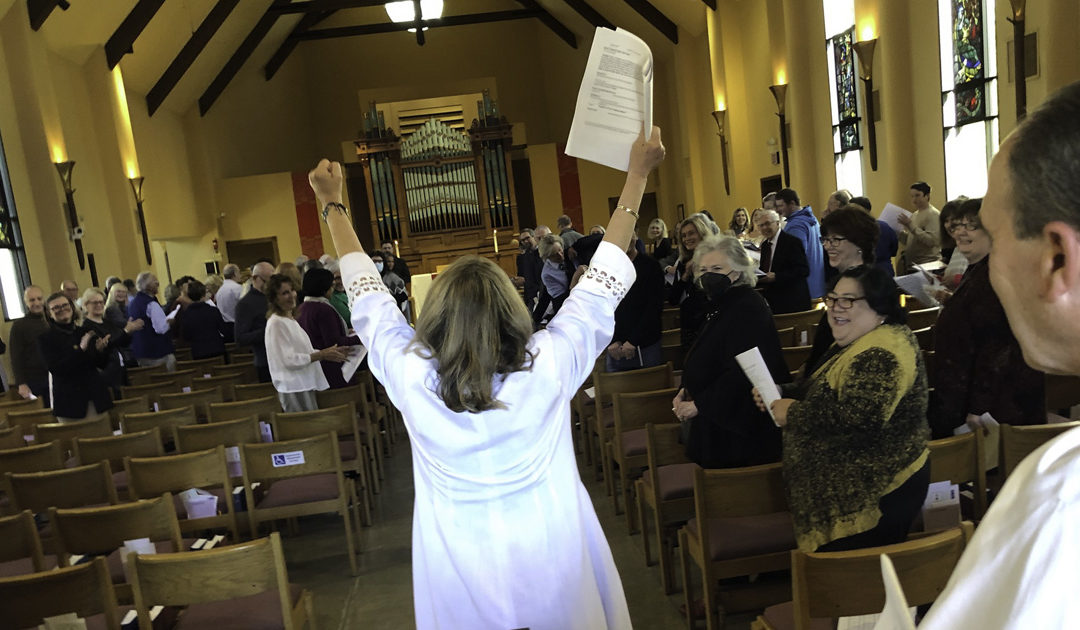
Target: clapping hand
x,y
102,343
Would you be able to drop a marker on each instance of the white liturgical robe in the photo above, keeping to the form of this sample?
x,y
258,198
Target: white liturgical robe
x,y
504,533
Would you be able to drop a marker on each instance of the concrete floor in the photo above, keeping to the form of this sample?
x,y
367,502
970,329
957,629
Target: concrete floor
x,y
381,596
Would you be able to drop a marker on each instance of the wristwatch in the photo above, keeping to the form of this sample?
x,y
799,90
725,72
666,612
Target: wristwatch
x,y
336,206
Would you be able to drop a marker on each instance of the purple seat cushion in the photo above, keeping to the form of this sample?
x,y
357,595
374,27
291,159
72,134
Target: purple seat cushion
x,y
782,617
744,536
676,481
261,611
120,481
311,488
634,443
348,450
24,566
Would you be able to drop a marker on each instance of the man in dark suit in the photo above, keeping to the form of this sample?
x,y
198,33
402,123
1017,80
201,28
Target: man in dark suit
x,y
783,261
251,318
528,267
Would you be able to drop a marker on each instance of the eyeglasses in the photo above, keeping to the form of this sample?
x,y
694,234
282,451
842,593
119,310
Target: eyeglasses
x,y
60,308
841,302
832,241
968,226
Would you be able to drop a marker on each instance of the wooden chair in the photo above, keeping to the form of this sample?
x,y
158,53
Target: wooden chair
x,y
165,421
199,437
923,318
200,366
27,420
11,406
608,384
372,438
246,368
342,421
206,470
829,585
226,382
65,433
667,488
138,404
228,587
20,547
141,375
152,391
1062,393
671,337
583,412
36,458
795,357
960,459
627,448
674,354
63,488
1020,441
925,337
303,476
670,317
86,590
255,390
11,437
380,408
183,378
200,399
262,408
929,360
799,322
788,338
741,526
115,448
182,354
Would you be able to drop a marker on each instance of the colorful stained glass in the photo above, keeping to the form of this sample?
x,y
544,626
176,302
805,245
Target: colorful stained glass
x,y
970,104
849,137
968,49
847,108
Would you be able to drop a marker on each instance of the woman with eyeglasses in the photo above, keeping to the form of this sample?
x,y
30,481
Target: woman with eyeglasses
x,y
855,457
117,352
979,367
74,354
722,426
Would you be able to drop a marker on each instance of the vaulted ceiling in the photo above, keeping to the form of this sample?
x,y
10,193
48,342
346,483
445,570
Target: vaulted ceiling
x,y
183,52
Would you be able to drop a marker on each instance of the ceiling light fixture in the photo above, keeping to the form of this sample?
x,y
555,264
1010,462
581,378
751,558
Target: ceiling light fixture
x,y
404,11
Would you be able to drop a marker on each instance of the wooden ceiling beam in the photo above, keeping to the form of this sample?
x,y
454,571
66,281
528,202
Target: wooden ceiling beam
x,y
318,6
40,10
233,65
189,53
309,20
123,38
549,20
394,27
656,17
710,3
592,15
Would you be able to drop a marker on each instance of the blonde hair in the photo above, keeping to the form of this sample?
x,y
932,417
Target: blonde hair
x,y
475,326
663,226
704,226
213,282
111,299
292,272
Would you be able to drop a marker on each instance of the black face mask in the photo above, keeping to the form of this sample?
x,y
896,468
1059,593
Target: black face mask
x,y
714,284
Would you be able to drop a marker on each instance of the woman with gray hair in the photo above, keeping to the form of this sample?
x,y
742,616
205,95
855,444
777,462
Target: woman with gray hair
x,y
723,428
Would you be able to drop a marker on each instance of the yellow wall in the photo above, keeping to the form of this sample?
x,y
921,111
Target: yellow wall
x,y
260,206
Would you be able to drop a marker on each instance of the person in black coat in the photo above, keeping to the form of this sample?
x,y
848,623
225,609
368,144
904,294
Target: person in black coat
x,y
528,267
783,261
723,428
684,293
251,319
635,343
203,327
74,355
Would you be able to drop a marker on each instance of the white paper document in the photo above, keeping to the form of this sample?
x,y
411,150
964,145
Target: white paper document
x,y
615,100
349,367
753,365
917,285
891,215
171,316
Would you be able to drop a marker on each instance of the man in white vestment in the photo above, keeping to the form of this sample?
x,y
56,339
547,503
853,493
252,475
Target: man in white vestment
x,y
1021,568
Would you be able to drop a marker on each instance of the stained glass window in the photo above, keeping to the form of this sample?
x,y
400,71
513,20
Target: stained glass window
x,y
969,68
14,273
843,93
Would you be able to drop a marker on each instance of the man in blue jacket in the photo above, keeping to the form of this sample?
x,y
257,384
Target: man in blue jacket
x,y
802,224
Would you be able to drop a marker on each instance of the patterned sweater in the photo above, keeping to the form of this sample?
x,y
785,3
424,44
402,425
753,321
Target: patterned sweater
x,y
858,433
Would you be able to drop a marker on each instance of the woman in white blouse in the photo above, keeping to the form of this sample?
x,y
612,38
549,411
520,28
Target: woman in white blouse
x,y
504,532
294,362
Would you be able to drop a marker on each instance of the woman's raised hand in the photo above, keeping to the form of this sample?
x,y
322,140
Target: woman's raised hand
x,y
325,180
646,155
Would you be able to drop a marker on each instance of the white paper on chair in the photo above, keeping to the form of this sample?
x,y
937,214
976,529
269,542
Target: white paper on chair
x,y
614,101
753,365
891,214
70,621
198,503
349,367
140,546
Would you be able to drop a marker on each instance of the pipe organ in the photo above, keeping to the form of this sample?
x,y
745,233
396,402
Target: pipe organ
x,y
441,193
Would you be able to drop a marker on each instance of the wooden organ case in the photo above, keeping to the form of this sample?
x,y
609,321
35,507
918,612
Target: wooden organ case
x,y
440,193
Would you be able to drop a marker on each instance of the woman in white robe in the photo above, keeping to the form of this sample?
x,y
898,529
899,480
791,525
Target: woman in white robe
x,y
504,533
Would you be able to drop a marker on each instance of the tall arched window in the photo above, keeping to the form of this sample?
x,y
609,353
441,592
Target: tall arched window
x,y
14,273
843,94
969,93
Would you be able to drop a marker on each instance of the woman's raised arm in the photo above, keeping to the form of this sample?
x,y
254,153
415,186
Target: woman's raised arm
x,y
326,181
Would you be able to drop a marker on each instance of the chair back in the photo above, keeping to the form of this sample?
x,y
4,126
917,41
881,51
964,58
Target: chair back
x,y
263,408
151,476
671,317
787,337
227,383
183,378
200,366
285,459
925,337
671,337
199,437
255,390
641,380
19,539
152,391
200,399
733,492
115,448
99,531
138,404
960,459
663,445
1062,392
11,437
66,432
141,375
86,590
47,456
923,318
245,368
353,394
796,356
634,411
164,420
801,321
223,573
301,424
848,583
27,420
10,406
1017,442
63,488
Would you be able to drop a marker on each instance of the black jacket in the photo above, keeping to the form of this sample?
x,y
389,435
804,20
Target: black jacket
x,y
75,377
692,303
637,319
729,431
204,329
251,324
789,293
528,267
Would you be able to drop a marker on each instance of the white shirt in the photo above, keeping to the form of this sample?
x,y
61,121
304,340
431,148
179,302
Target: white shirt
x,y
157,317
1020,570
227,297
504,533
288,354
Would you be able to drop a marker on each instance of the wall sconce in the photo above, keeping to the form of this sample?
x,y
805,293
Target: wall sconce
x,y
76,232
1019,12
720,116
864,50
779,92
136,189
